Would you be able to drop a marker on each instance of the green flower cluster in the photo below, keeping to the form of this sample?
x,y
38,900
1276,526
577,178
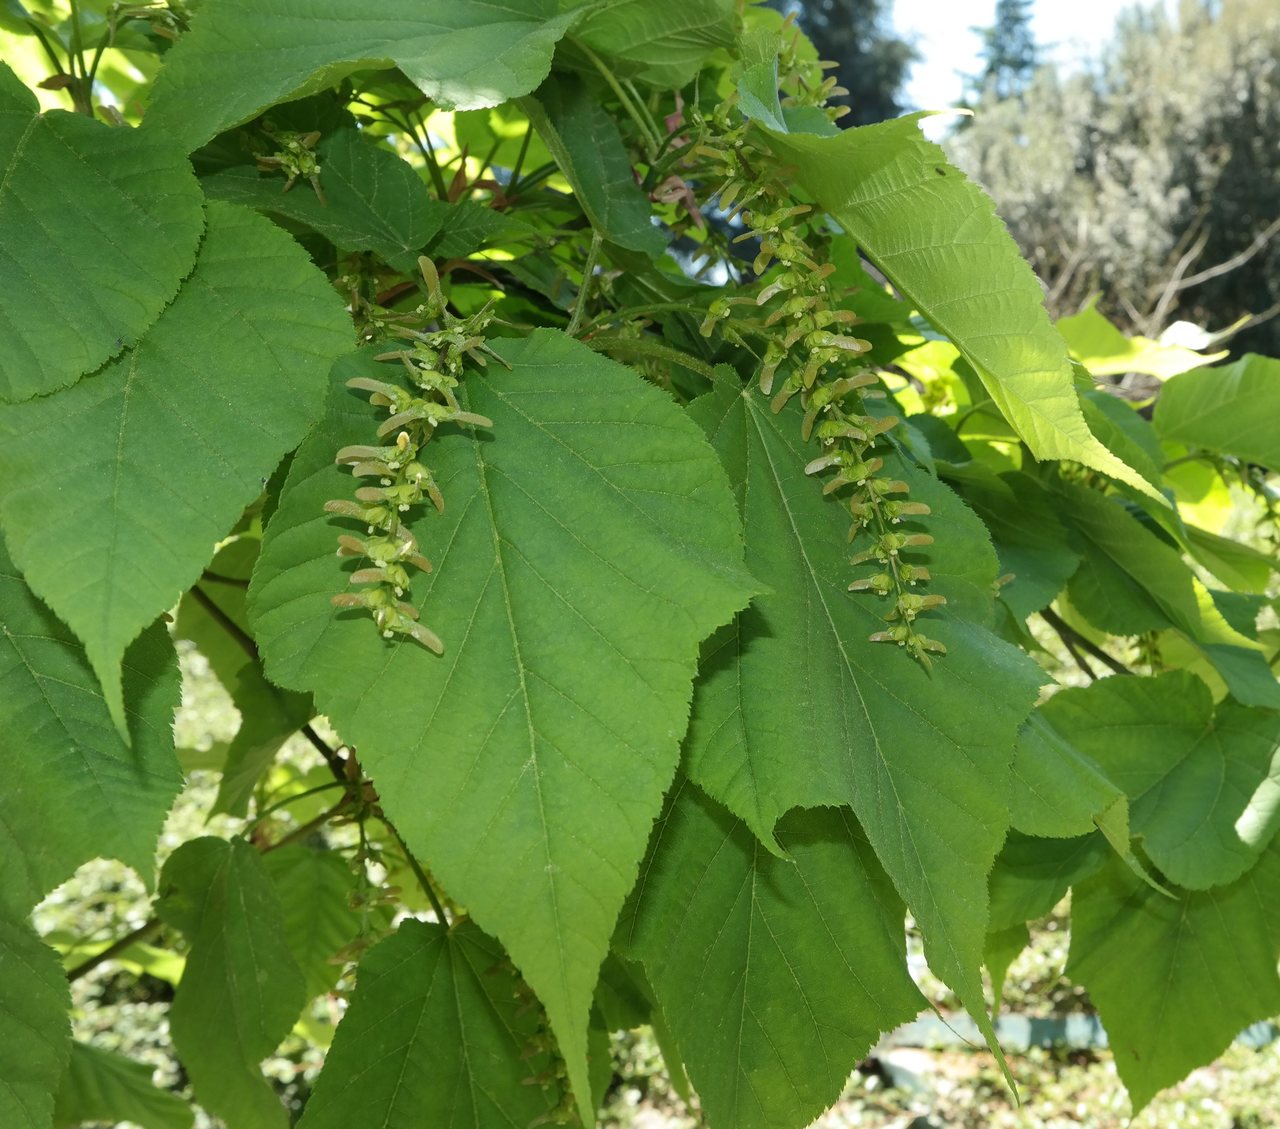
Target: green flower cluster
x,y
295,157
434,360
819,361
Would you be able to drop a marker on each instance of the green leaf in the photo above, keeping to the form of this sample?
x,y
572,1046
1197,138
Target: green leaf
x,y
662,42
795,707
314,889
758,93
1032,875
463,55
777,976
584,551
468,226
1123,432
373,200
102,1086
241,990
1204,786
436,1035
1175,980
1231,409
73,791
171,440
934,234
1029,539
100,225
269,716
1105,351
1132,581
1241,567
623,996
1060,792
584,140
35,1034
1003,948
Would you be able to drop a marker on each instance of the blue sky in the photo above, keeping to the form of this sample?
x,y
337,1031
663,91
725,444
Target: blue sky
x,y
1072,30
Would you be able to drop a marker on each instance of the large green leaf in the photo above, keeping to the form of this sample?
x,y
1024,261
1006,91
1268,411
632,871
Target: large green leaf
x,y
934,234
1035,554
1133,581
663,42
101,1086
462,54
584,140
35,1033
99,227
314,889
436,1035
171,440
241,989
1232,409
73,791
1203,786
1175,979
373,200
795,707
776,975
584,551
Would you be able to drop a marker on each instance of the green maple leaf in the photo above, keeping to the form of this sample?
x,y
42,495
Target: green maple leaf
x,y
587,546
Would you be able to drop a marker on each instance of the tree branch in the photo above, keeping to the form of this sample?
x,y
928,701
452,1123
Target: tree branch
x,y
1065,630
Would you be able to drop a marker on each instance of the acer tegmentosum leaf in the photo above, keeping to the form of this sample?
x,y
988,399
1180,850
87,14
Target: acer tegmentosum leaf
x,y
1129,568
314,890
587,545
462,54
73,791
437,1035
171,440
373,200
103,1086
795,707
776,975
1232,409
35,1033
241,989
661,42
99,227
1175,980
936,237
1203,784
587,146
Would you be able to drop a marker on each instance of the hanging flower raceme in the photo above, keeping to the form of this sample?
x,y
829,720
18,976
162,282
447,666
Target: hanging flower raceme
x,y
433,359
818,359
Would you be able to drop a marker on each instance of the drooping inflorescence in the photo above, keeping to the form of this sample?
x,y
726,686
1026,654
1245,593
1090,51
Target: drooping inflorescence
x,y
433,359
808,352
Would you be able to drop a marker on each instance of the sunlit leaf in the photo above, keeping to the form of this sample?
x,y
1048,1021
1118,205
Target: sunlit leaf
x,y
464,54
